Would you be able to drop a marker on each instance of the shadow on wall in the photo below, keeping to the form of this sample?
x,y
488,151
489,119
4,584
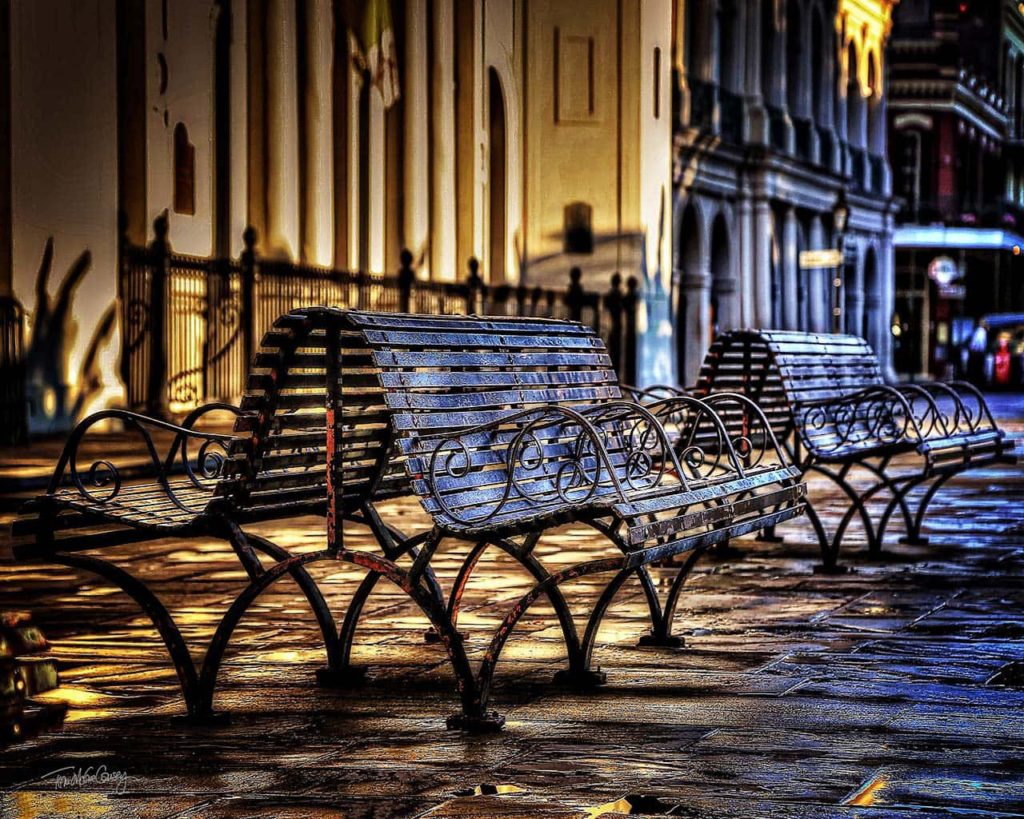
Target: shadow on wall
x,y
53,403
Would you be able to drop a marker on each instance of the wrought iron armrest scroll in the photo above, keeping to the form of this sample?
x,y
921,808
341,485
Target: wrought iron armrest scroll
x,y
704,445
970,411
104,476
635,431
878,414
531,473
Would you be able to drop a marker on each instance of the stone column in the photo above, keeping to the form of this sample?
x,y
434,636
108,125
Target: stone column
x,y
443,264
820,284
856,309
318,227
378,181
282,136
416,166
697,289
882,315
790,271
746,273
762,266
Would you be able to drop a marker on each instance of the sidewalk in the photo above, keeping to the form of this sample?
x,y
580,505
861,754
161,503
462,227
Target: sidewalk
x,y
875,693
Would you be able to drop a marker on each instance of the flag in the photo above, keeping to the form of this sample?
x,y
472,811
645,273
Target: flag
x,y
372,34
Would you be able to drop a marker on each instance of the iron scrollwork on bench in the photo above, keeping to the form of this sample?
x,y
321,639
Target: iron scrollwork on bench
x,y
100,484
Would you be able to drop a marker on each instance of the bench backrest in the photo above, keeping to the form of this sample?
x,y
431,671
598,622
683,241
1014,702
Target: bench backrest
x,y
315,431
443,375
446,374
786,371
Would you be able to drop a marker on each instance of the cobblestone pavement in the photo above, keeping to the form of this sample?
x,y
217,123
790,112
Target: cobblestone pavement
x,y
865,694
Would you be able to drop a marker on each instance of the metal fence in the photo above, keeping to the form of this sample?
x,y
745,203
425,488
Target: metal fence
x,y
190,325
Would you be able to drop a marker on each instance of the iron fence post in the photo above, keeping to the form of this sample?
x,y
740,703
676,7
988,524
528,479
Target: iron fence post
x,y
406,277
248,295
159,259
613,304
575,298
630,305
475,288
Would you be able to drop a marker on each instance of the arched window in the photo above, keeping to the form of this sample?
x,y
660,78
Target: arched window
x,y
769,42
820,72
727,45
795,78
876,117
723,285
855,120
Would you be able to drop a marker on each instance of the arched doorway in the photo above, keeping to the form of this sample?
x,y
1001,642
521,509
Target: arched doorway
x,y
723,314
496,182
688,264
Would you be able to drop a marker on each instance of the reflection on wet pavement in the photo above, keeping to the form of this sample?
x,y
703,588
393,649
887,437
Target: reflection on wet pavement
x,y
893,690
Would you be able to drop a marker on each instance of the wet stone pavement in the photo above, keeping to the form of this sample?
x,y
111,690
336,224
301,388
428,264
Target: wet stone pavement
x,y
890,690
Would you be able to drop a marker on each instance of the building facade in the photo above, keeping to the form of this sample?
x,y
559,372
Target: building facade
x,y
534,135
957,133
780,129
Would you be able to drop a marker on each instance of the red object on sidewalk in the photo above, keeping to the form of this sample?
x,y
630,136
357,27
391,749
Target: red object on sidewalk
x,y
1002,363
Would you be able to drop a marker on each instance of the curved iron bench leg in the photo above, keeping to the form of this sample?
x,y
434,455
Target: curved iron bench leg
x,y
646,584
892,485
318,605
661,635
475,716
349,675
899,499
857,500
169,632
913,537
379,566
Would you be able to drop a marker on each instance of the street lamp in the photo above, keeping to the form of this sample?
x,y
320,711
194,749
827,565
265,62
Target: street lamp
x,y
840,216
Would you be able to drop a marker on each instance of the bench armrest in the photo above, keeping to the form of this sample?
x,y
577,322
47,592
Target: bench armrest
x,y
520,443
721,431
104,476
878,414
954,408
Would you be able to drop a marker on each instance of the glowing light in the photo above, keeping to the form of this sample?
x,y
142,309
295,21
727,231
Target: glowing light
x,y
1016,250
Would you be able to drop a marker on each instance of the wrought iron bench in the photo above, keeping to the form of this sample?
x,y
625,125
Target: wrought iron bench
x,y
511,427
274,465
826,400
331,392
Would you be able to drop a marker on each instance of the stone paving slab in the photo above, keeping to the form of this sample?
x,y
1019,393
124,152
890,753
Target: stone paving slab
x,y
796,694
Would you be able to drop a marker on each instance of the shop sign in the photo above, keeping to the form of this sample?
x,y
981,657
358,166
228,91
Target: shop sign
x,y
943,270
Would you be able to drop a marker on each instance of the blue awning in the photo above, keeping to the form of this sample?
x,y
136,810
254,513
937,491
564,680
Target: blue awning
x,y
956,238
